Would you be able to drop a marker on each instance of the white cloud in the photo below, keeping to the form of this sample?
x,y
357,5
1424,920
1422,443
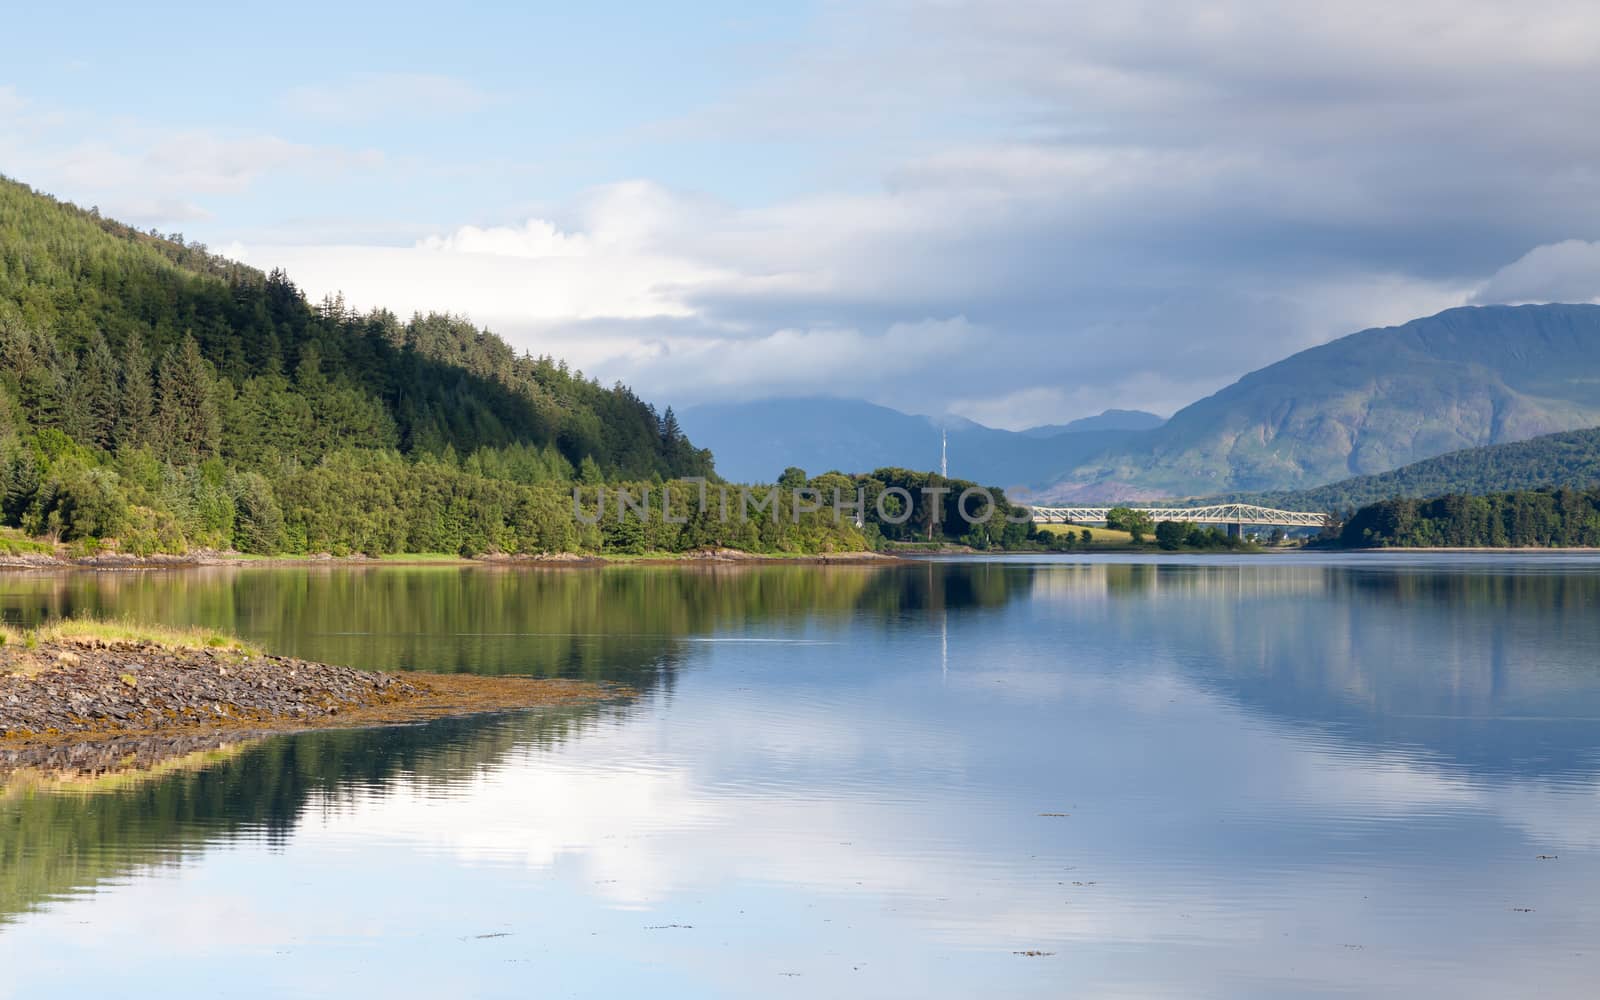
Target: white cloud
x,y
519,294
796,361
535,238
1568,271
369,96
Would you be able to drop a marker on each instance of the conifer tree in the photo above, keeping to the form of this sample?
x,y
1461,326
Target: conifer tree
x,y
98,374
188,416
137,406
74,415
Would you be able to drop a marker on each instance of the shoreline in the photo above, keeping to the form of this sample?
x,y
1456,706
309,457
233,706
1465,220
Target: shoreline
x,y
84,704
575,560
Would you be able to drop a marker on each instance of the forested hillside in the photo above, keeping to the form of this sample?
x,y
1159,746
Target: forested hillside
x,y
1523,518
157,393
91,311
1570,459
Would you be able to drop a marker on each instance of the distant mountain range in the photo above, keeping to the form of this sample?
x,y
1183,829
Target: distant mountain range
x,y
1360,405
756,441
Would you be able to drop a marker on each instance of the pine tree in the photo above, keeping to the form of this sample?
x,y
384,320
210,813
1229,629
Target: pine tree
x,y
137,405
308,375
74,415
188,416
97,373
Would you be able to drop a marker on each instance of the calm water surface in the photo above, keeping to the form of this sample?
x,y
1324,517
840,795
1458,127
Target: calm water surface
x,y
1259,777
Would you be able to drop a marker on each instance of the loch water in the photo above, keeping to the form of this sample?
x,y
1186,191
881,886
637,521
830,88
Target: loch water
x,y
1265,776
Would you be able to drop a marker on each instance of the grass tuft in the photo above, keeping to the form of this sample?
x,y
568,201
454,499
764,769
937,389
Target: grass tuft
x,y
85,629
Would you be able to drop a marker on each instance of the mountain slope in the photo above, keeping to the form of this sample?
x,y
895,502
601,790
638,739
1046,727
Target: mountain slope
x,y
755,441
76,290
1370,402
1570,459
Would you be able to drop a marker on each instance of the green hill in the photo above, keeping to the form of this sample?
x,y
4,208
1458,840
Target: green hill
x,y
155,392
85,301
1569,459
1368,403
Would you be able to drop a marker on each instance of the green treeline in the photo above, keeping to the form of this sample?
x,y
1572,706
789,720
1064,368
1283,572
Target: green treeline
x,y
1523,518
936,511
832,512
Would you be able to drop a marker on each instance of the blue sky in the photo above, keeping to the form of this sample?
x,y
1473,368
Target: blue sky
x,y
1021,212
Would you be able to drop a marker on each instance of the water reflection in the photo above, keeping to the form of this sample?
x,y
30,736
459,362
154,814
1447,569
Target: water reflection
x,y
57,839
1197,777
611,623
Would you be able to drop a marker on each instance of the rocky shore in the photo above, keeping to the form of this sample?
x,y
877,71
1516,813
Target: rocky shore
x,y
91,703
93,686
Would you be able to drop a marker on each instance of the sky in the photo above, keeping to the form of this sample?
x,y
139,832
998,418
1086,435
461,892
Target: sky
x,y
1018,212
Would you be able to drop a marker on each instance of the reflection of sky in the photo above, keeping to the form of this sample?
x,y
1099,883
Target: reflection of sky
x,y
842,808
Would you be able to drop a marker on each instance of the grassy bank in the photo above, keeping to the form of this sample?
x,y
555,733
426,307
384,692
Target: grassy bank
x,y
1098,537
88,631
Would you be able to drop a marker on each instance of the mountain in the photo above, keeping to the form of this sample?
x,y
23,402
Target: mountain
x,y
1367,403
1568,459
1110,420
756,441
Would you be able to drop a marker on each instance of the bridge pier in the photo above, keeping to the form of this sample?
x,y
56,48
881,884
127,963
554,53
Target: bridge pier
x,y
1236,530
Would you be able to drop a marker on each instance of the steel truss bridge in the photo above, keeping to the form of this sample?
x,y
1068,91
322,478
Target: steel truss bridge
x,y
1236,514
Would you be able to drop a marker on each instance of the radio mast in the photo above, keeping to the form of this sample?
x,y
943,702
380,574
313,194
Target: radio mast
x,y
944,454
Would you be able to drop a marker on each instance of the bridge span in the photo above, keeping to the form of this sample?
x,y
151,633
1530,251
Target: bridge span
x,y
1234,514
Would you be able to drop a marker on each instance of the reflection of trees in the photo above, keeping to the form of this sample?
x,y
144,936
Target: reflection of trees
x,y
617,623
1493,670
55,843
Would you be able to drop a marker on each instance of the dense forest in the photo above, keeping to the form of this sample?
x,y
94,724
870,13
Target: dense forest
x,y
155,397
1523,518
1570,458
